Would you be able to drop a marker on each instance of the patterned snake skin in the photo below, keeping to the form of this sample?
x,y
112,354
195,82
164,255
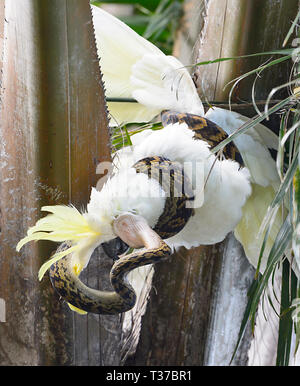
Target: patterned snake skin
x,y
64,278
178,190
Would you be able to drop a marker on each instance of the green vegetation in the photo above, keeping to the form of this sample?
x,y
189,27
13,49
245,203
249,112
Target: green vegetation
x,y
155,20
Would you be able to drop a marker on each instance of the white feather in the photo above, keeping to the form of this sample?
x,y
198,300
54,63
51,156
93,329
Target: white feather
x,y
119,48
217,181
126,191
163,82
253,145
247,231
134,68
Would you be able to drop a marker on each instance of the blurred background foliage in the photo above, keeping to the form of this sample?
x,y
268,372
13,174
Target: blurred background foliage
x,y
155,20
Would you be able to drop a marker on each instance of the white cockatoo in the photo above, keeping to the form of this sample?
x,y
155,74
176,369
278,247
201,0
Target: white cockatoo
x,y
227,197
159,82
215,181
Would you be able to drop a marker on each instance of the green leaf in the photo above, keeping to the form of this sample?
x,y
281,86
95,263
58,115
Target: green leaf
x,y
246,317
127,136
280,153
255,71
296,183
288,52
288,293
275,89
258,286
149,4
291,30
296,319
165,14
280,194
252,122
281,243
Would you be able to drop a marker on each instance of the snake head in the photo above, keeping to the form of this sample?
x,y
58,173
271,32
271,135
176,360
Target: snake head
x,y
131,228
135,231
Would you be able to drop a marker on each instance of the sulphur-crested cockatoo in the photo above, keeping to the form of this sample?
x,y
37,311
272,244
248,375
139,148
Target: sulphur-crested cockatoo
x,y
214,181
159,82
226,196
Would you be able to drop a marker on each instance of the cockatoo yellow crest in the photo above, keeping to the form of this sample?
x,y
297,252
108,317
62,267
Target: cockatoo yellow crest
x,y
65,223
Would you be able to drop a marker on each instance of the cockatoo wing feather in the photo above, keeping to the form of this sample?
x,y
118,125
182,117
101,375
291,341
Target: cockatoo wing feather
x,y
162,82
119,48
132,67
252,145
247,231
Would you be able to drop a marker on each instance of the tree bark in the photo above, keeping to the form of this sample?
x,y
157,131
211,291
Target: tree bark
x,y
54,132
241,27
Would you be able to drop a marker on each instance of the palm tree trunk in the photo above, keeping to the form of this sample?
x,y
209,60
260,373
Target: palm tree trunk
x,y
53,132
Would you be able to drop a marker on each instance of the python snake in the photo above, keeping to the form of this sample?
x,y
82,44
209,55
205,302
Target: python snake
x,y
175,215
64,278
66,282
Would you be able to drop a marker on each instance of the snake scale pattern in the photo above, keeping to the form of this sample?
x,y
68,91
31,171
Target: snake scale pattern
x,y
178,191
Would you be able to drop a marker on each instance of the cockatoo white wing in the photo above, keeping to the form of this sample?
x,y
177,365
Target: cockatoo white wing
x,y
162,82
215,183
247,231
253,145
132,67
119,48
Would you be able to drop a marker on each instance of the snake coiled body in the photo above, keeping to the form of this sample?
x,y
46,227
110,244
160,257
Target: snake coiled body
x,y
71,288
178,191
175,215
205,130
